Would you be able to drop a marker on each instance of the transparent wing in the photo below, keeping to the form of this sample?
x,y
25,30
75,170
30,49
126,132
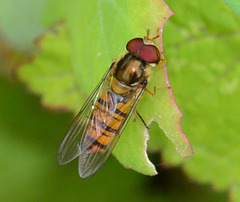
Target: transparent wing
x,y
91,160
70,146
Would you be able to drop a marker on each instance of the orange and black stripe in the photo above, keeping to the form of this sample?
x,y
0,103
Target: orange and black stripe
x,y
107,118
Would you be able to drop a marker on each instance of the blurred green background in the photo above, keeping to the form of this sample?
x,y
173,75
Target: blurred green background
x,y
201,44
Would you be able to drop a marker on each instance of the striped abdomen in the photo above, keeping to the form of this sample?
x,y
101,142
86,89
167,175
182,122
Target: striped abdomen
x,y
107,118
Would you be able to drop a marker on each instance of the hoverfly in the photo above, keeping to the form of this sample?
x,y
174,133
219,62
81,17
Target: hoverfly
x,y
99,124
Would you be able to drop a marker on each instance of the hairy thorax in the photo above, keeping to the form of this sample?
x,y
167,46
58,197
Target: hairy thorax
x,y
129,73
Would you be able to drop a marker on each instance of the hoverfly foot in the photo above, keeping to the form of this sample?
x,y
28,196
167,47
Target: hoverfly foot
x,y
151,93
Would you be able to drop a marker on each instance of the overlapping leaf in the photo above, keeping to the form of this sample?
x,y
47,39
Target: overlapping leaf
x,y
204,68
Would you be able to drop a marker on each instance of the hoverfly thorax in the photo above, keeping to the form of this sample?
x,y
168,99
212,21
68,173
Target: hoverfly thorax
x,y
130,70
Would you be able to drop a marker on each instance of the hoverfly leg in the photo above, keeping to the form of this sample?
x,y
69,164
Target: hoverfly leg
x,y
166,87
155,89
151,93
154,37
142,120
162,62
135,113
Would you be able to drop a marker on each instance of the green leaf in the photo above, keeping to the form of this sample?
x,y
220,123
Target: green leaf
x,y
233,4
204,67
70,63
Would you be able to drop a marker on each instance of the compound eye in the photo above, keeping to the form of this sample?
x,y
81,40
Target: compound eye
x,y
134,45
150,53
